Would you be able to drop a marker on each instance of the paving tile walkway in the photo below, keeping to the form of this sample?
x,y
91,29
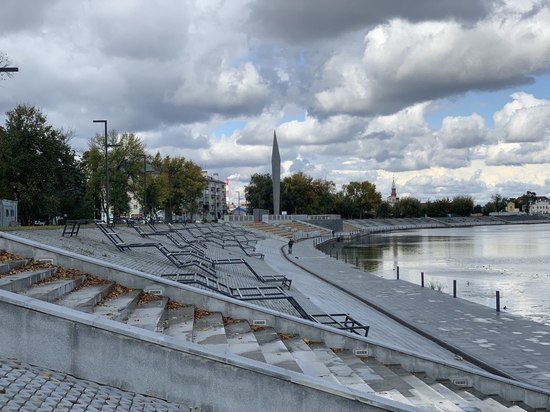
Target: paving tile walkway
x,y
24,387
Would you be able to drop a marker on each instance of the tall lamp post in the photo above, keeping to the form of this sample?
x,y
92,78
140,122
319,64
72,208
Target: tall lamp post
x,y
106,144
144,185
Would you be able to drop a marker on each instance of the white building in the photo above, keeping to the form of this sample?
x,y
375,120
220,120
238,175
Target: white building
x,y
540,207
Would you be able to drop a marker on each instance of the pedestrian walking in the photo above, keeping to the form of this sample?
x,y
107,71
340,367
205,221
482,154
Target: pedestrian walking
x,y
290,243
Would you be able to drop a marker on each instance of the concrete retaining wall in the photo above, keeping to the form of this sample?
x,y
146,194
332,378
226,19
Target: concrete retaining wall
x,y
136,360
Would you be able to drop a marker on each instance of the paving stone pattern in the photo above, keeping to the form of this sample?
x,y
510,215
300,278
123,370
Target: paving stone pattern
x,y
29,388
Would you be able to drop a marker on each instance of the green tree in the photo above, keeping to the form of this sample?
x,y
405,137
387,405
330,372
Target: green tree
x,y
499,202
462,206
438,208
489,208
384,210
38,168
408,207
259,192
181,183
363,197
325,191
298,194
125,171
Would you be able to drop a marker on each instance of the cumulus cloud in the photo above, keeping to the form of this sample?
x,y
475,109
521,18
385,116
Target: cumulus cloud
x,y
224,90
463,132
349,86
513,154
525,119
404,63
310,20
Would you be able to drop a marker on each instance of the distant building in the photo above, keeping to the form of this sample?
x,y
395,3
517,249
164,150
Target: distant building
x,y
213,203
541,206
511,208
8,213
392,198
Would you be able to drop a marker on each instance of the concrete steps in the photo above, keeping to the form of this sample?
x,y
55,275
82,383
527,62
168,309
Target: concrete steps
x,y
274,350
52,291
242,341
118,307
209,330
21,281
86,299
149,315
179,322
296,353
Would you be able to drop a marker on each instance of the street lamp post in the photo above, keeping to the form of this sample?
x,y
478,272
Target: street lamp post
x,y
144,185
107,145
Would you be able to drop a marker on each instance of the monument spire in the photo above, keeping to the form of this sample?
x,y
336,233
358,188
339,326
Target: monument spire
x,y
276,175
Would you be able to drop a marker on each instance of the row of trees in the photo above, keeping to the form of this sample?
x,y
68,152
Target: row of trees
x,y
39,169
301,194
171,184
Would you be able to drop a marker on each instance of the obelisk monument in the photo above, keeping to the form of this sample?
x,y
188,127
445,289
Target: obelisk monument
x,y
276,176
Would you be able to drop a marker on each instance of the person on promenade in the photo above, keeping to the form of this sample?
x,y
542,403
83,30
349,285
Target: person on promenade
x,y
290,243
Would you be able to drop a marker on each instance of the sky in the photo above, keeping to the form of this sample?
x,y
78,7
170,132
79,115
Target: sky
x,y
449,98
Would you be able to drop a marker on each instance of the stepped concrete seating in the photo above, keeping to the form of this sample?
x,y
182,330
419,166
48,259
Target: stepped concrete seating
x,y
220,238
254,293
271,229
188,245
205,265
194,241
173,256
298,226
201,261
336,365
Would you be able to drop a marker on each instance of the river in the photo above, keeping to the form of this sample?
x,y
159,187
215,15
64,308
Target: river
x,y
511,259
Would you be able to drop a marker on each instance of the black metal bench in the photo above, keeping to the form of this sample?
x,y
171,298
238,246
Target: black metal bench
x,y
72,227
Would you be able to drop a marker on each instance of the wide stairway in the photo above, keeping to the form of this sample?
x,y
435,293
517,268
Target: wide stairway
x,y
87,293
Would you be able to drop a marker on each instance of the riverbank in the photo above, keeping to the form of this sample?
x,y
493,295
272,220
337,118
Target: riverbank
x,y
508,344
365,226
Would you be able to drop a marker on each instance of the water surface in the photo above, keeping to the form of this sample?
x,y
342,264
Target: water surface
x,y
513,259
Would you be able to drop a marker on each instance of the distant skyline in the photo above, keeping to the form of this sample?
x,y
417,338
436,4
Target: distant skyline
x,y
449,98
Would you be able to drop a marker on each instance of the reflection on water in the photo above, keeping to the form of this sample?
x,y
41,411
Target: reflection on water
x,y
514,260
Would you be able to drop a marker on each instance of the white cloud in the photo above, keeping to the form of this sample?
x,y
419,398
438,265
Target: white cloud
x,y
405,63
525,119
349,86
224,90
463,132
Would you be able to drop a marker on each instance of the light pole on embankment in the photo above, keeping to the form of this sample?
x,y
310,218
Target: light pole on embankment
x,y
107,145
